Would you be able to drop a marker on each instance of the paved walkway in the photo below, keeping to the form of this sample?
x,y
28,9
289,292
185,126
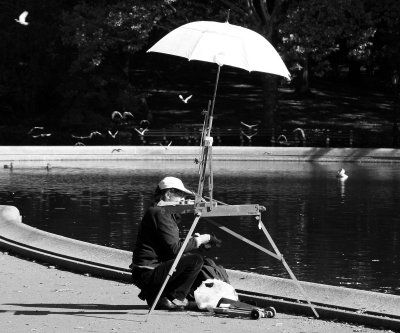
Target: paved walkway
x,y
40,298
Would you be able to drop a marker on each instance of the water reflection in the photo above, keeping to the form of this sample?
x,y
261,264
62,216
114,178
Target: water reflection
x,y
340,233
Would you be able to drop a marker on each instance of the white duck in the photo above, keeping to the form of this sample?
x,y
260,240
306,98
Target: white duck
x,y
342,174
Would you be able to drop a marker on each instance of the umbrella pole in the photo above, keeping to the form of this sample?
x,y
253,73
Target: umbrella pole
x,y
213,101
208,141
203,154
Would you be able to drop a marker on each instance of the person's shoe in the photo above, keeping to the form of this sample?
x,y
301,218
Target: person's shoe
x,y
165,304
180,303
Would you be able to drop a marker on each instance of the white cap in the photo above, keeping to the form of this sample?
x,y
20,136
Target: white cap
x,y
173,182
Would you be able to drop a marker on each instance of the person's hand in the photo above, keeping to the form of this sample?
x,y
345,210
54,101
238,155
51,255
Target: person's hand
x,y
201,239
214,241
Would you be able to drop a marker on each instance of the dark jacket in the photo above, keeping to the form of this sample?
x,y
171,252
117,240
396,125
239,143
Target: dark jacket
x,y
158,238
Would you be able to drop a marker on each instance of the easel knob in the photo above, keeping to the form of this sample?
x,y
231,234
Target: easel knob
x,y
208,141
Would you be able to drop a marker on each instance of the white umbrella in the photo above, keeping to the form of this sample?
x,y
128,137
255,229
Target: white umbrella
x,y
223,44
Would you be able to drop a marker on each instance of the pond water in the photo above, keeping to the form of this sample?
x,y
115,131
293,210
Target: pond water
x,y
330,231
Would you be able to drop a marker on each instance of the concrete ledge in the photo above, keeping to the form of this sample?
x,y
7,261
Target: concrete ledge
x,y
61,251
364,301
41,155
114,264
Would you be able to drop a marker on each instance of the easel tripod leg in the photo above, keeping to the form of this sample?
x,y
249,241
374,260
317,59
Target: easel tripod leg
x,y
288,268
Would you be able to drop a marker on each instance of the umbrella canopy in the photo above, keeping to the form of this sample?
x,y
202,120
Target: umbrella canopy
x,y
223,44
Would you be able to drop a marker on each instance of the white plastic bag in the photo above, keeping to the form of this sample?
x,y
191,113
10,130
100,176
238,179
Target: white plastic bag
x,y
208,294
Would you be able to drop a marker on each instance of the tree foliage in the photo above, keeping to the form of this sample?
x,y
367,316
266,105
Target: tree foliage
x,y
314,31
72,64
104,36
385,51
100,28
30,58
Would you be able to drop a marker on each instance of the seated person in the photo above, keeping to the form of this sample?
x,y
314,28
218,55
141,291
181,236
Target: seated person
x,y
157,246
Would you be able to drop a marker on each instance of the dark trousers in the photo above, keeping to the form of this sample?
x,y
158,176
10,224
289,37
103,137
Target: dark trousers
x,y
179,284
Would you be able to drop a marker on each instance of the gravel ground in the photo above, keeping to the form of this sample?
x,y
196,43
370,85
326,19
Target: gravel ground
x,y
42,298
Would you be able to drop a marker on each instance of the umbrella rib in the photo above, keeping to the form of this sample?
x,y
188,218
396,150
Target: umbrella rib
x,y
197,42
202,35
246,55
195,46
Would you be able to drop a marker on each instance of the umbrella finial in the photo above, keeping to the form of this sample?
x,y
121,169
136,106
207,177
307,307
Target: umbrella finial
x,y
227,16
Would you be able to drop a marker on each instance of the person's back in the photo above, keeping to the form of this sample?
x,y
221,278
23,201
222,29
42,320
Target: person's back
x,y
157,245
158,238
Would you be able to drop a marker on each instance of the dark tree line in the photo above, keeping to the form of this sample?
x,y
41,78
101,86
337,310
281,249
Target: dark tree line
x,y
74,63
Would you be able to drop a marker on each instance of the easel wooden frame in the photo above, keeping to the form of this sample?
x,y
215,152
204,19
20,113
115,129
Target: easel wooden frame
x,y
207,209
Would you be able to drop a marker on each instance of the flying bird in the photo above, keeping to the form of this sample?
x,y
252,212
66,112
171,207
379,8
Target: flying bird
x,y
144,123
80,137
282,139
35,128
166,147
298,129
127,114
124,115
248,136
141,133
116,114
95,133
248,126
22,18
117,150
42,135
79,144
90,136
185,100
113,135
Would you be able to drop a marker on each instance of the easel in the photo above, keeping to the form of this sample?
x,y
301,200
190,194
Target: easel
x,y
203,209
